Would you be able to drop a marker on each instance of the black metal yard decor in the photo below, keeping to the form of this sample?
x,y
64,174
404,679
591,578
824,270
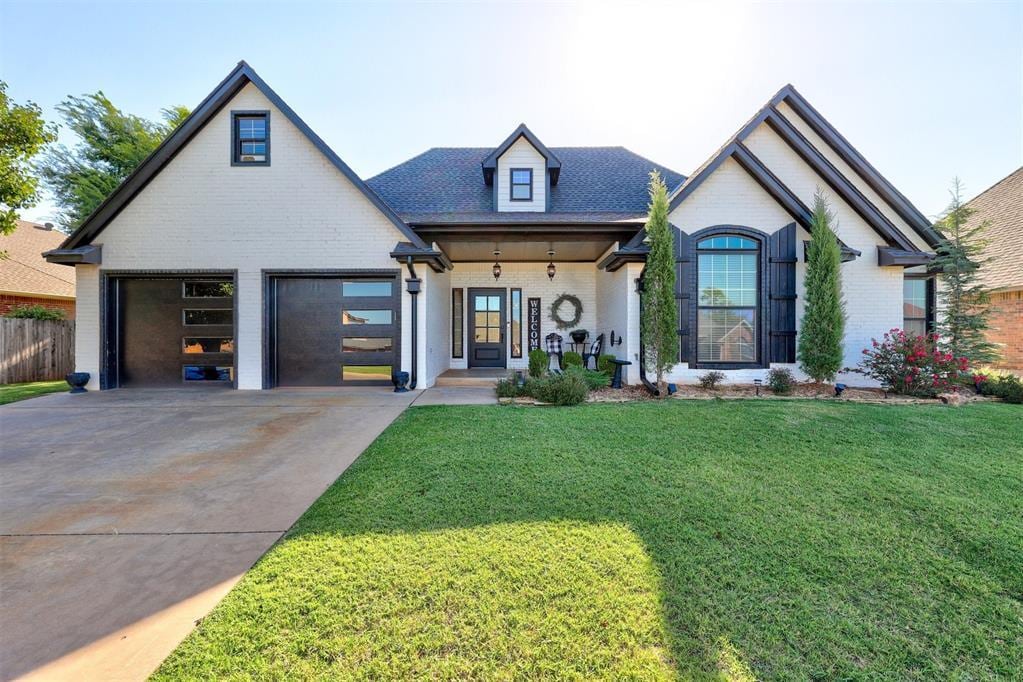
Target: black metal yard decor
x,y
555,311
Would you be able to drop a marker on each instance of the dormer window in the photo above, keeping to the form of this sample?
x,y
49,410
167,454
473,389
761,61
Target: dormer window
x,y
250,144
521,184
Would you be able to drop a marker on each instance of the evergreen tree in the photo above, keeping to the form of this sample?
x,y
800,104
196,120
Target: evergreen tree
x,y
963,299
113,144
660,309
823,326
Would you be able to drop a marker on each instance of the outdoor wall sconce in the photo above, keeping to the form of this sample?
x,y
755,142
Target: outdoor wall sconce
x,y
497,266
757,383
838,390
551,268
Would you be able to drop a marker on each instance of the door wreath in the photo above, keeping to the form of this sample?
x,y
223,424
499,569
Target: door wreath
x,y
555,311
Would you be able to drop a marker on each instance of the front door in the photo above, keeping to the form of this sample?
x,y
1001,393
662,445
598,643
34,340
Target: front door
x,y
486,328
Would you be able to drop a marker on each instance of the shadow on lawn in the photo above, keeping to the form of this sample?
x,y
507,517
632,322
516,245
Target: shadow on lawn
x,y
767,540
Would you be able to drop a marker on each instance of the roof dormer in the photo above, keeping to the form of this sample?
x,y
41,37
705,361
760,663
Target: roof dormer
x,y
521,170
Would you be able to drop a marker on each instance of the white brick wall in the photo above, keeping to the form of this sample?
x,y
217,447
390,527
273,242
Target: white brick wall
x,y
521,155
202,213
578,279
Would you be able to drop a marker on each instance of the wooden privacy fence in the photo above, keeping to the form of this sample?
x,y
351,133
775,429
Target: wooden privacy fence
x,y
36,350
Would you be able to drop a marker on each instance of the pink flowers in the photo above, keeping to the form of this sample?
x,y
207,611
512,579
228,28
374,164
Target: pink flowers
x,y
907,363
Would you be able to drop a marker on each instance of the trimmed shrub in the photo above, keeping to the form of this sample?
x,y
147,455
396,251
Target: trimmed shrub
x,y
710,380
537,363
559,389
1008,387
573,359
912,365
35,312
592,378
780,380
605,363
508,387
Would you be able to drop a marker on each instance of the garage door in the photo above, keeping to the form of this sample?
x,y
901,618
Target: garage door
x,y
175,332
335,331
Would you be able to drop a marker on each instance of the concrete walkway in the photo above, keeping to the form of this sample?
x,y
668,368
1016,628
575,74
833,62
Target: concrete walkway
x,y
125,516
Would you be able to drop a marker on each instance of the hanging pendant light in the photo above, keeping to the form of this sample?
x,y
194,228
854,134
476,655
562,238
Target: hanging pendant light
x,y
551,268
497,266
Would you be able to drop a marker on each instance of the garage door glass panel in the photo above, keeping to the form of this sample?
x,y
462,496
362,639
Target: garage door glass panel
x,y
207,373
207,289
365,373
366,287
366,316
364,344
207,345
208,316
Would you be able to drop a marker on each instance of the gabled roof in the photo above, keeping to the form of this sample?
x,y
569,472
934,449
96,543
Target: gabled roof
x,y
240,76
846,190
490,162
24,271
1001,205
598,184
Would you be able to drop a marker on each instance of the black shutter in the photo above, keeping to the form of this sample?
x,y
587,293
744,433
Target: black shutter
x,y
782,283
685,292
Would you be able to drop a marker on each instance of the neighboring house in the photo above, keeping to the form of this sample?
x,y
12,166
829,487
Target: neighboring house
x,y
245,251
26,278
1001,205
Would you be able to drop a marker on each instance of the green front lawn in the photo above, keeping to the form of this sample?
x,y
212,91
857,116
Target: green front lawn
x,y
11,393
683,539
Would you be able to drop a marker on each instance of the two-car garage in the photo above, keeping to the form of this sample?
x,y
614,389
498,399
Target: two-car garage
x,y
319,329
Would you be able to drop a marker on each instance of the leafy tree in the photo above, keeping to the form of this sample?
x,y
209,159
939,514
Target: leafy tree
x,y
823,326
113,144
660,309
964,300
23,134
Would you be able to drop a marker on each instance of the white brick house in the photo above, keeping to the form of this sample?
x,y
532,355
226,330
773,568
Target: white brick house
x,y
245,251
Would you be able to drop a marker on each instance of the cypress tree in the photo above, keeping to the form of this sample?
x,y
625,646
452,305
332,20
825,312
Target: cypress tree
x,y
964,300
823,325
660,309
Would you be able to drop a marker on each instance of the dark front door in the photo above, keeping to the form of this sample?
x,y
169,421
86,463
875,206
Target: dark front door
x,y
335,331
486,328
174,332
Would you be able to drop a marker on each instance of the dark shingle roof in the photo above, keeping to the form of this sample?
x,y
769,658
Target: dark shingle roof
x,y
445,184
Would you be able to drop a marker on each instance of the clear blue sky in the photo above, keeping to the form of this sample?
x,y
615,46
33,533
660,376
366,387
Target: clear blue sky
x,y
925,91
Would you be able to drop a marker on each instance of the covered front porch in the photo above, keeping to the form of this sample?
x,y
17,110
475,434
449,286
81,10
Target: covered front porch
x,y
511,286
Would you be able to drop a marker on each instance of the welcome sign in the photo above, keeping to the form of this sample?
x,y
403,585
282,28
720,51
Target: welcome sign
x,y
533,321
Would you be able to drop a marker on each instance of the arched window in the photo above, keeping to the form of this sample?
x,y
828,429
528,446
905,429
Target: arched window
x,y
728,300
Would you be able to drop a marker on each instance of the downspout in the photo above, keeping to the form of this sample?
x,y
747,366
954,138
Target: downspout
x,y
642,349
414,284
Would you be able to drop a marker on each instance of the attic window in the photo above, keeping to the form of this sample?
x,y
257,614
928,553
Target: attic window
x,y
521,184
250,144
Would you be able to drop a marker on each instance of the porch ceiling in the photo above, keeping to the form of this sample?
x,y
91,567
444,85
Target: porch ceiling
x,y
527,243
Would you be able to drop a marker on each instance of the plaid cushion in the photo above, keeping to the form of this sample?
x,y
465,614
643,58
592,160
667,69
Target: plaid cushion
x,y
553,342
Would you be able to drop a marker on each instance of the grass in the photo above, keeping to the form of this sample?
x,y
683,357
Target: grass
x,y
684,539
12,393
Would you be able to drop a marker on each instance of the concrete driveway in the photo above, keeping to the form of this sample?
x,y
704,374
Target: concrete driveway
x,y
125,516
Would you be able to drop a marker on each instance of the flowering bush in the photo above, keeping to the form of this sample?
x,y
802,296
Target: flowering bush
x,y
913,365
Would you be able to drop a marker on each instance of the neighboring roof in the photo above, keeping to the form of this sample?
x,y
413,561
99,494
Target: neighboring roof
x,y
597,184
490,162
770,115
24,271
1001,205
242,75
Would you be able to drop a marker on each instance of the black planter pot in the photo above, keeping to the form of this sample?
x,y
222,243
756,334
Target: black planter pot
x,y
579,336
77,381
400,381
